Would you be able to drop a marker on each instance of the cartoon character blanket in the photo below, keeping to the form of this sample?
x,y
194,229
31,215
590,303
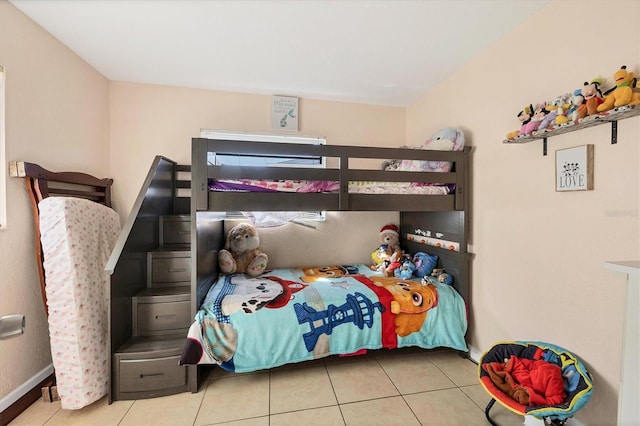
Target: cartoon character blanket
x,y
293,315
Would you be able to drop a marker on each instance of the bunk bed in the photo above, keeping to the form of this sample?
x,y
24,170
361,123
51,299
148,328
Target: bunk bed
x,y
75,230
361,314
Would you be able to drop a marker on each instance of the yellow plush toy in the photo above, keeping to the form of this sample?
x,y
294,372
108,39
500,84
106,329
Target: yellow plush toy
x,y
623,93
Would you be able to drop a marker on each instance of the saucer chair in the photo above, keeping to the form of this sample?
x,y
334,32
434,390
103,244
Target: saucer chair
x,y
577,380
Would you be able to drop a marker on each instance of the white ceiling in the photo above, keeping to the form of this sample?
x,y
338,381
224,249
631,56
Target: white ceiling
x,y
387,52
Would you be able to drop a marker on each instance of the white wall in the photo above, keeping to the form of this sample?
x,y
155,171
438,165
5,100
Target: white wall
x,y
56,115
537,272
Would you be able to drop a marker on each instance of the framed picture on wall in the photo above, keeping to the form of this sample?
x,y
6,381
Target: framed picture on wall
x,y
284,113
574,168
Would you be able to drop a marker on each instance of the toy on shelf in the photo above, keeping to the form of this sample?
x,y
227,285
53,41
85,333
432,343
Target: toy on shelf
x,y
622,94
562,104
525,118
576,100
592,98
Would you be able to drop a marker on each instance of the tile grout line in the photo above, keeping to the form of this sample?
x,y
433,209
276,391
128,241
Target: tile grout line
x,y
326,370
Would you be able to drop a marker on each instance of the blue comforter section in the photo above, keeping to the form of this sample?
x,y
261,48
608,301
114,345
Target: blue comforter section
x,y
283,316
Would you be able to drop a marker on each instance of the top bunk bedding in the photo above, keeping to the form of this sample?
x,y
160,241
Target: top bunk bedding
x,y
341,187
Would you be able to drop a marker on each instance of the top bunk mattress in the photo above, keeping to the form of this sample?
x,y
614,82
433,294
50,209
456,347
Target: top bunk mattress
x,y
306,186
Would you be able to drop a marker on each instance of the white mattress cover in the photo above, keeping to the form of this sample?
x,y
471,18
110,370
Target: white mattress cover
x,y
77,237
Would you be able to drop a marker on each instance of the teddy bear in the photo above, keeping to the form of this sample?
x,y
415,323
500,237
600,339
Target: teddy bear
x,y
388,256
241,253
623,93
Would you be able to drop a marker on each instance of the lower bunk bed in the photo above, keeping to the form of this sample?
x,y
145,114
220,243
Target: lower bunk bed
x,y
292,315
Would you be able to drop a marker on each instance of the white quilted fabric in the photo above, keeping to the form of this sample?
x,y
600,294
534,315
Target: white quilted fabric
x,y
77,237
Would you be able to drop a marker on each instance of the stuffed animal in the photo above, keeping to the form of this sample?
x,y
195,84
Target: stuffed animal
x,y
505,383
592,98
390,165
539,113
622,93
447,139
562,104
406,269
442,276
388,255
241,253
425,263
554,109
525,117
576,100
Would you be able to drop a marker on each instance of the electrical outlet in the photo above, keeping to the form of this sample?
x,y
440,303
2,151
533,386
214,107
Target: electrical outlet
x,y
11,326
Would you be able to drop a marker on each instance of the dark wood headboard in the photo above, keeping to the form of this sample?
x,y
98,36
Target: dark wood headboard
x,y
42,183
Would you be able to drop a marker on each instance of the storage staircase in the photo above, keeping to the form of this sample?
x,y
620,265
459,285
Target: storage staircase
x,y
151,307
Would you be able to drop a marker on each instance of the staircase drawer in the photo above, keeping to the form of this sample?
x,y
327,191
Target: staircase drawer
x,y
172,269
175,230
143,375
169,317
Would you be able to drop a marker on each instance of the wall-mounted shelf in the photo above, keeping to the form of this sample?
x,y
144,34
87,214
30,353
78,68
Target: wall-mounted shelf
x,y
611,116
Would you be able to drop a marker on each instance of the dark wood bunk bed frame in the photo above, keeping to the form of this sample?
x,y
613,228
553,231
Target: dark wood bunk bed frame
x,y
42,183
445,214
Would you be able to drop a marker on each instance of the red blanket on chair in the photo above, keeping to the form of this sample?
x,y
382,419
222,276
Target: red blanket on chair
x,y
541,379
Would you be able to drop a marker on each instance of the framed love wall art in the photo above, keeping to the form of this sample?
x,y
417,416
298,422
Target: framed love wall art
x,y
574,168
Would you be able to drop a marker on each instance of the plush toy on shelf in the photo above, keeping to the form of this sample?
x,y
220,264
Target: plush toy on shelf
x,y
539,114
241,253
525,118
562,104
576,100
592,98
622,94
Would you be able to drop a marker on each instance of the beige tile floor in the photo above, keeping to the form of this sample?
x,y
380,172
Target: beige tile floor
x,y
401,387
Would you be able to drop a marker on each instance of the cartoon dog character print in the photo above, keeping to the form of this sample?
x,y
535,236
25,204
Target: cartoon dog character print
x,y
250,294
412,301
312,275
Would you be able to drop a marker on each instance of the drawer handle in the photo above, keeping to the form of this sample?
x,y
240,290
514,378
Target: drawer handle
x,y
184,232
168,316
177,269
144,376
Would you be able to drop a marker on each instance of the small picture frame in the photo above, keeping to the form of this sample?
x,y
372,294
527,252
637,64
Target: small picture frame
x,y
284,113
574,168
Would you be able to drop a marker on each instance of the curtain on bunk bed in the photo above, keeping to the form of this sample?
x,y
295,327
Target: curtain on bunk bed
x,y
77,237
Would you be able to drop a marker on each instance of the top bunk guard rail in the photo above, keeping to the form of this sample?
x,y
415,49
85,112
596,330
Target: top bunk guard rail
x,y
202,171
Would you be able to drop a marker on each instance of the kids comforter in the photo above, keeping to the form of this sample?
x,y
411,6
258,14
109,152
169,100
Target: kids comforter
x,y
293,315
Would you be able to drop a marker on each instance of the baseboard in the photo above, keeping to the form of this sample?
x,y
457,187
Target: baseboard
x,y
24,395
474,354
